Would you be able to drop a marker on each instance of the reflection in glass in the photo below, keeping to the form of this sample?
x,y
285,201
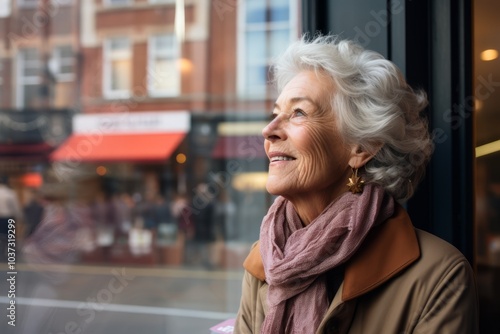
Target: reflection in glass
x,y
170,219
487,169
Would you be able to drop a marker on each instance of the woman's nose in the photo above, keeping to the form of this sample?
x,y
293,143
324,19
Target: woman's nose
x,y
274,130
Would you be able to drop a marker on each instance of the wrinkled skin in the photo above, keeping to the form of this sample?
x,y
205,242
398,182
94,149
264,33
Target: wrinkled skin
x,y
303,129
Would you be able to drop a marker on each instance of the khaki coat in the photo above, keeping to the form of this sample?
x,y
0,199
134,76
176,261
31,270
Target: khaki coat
x,y
402,280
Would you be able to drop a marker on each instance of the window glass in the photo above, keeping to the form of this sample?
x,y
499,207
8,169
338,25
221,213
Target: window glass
x,y
118,67
164,65
268,23
256,55
5,8
63,62
31,93
257,75
120,75
487,132
256,11
279,40
132,139
279,11
29,69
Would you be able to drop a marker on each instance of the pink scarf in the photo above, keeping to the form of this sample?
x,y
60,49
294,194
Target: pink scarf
x,y
296,258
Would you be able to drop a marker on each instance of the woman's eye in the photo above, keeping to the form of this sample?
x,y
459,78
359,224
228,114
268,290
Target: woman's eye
x,y
298,113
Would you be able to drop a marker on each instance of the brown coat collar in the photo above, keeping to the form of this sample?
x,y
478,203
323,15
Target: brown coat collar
x,y
387,250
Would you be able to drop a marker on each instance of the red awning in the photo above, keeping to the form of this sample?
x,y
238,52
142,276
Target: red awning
x,y
118,147
239,147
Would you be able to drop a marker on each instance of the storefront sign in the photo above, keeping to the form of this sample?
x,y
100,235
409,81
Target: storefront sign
x,y
128,123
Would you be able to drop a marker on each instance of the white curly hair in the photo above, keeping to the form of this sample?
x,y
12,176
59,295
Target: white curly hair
x,y
374,105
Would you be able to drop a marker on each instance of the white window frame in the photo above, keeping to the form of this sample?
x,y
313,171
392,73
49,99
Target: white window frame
x,y
57,61
173,54
21,80
243,28
1,71
108,57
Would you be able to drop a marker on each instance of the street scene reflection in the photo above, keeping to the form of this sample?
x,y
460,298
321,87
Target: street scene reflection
x,y
131,159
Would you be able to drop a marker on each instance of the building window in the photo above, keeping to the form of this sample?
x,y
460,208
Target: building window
x,y
5,8
117,2
28,77
117,67
270,24
163,66
62,63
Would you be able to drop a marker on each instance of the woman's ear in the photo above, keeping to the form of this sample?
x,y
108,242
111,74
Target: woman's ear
x,y
359,156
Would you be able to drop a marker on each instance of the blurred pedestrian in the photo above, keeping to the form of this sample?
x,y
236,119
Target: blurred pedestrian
x,y
123,205
203,217
105,219
33,211
55,241
146,209
182,214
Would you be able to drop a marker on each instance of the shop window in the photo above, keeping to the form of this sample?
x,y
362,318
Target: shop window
x,y
62,63
271,25
163,197
163,66
117,67
28,78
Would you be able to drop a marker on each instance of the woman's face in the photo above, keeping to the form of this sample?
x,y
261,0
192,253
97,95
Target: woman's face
x,y
307,155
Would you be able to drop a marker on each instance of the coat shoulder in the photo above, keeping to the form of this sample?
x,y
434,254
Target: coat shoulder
x,y
436,251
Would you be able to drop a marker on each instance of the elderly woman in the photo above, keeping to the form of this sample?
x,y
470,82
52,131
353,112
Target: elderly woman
x,y
337,252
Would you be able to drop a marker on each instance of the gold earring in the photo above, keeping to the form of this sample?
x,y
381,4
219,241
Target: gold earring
x,y
355,183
